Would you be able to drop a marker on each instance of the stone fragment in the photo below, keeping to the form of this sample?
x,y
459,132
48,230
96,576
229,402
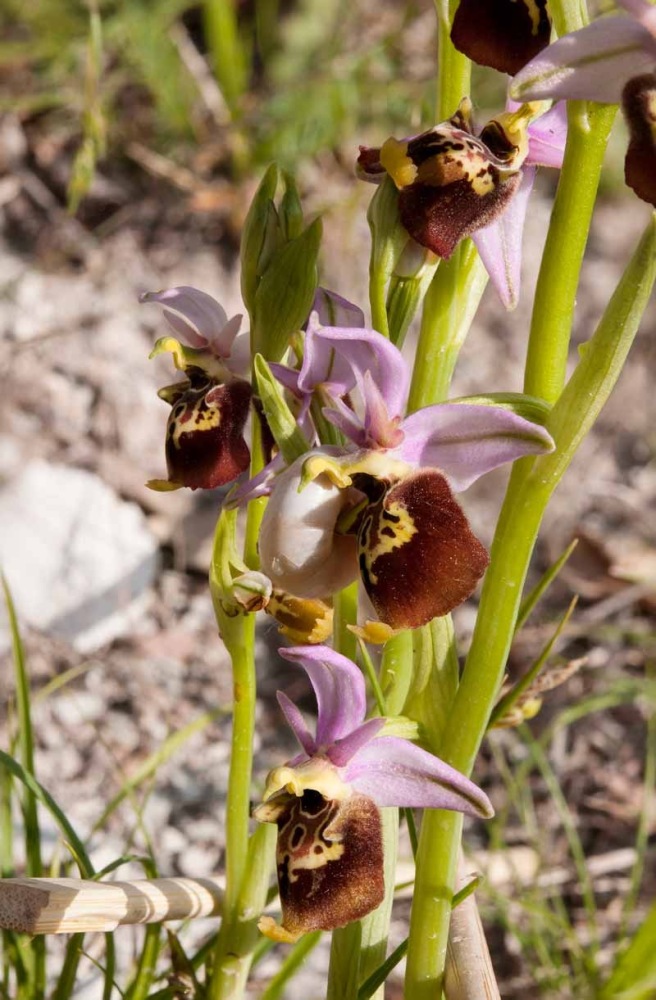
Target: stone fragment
x,y
79,561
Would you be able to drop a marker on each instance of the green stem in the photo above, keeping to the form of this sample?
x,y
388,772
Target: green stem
x,y
431,904
555,294
345,614
449,308
396,671
375,926
531,484
256,508
230,970
378,300
453,68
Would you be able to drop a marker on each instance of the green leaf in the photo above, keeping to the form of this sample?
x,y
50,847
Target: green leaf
x,y
404,296
602,358
379,977
290,965
39,792
253,236
34,865
634,976
285,293
506,703
291,212
545,582
287,434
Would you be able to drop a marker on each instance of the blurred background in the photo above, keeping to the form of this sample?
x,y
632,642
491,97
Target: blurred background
x,y
132,137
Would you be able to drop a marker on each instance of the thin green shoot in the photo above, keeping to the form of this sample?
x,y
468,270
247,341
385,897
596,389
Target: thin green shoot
x,y
70,837
531,600
290,965
506,703
149,767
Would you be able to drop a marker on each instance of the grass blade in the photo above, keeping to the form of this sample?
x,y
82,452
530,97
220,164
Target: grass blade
x,y
290,965
506,703
76,846
532,599
66,982
634,976
33,862
150,766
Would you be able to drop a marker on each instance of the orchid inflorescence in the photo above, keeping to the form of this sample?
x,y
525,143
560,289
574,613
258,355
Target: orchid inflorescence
x,y
349,482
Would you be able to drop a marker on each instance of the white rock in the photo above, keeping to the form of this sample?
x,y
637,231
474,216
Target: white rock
x,y
77,558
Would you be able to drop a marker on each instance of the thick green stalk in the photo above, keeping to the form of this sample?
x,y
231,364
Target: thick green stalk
x,y
431,905
375,926
453,68
235,941
256,508
568,15
449,308
345,614
555,294
433,689
396,671
230,965
531,485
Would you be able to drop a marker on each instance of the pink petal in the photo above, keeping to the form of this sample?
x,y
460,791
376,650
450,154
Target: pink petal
x,y
334,310
591,64
197,317
395,772
339,689
296,723
341,752
347,421
500,244
465,441
643,11
338,357
547,136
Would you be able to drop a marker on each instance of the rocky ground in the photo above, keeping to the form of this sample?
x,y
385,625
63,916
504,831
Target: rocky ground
x,y
109,577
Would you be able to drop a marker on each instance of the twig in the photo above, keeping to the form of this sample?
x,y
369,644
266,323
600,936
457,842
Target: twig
x,y
159,166
197,66
69,905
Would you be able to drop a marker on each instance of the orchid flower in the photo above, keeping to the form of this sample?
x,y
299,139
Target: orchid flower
x,y
503,34
205,447
453,183
383,505
612,59
326,801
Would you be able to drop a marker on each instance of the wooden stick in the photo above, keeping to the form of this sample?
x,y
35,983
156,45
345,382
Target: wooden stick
x,y
68,905
469,974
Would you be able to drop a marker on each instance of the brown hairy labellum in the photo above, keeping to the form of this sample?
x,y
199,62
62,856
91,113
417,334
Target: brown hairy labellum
x,y
639,107
439,218
329,859
205,447
419,558
504,34
450,182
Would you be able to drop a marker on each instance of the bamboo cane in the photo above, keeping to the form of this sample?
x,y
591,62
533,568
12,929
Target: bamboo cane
x,y
469,973
68,905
